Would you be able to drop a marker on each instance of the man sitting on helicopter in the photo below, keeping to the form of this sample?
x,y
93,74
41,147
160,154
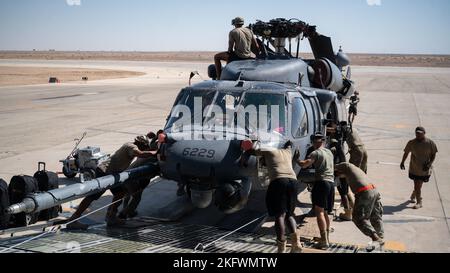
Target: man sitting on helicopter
x,y
241,44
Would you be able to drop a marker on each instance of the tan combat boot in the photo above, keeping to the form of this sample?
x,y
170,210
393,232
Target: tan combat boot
x,y
347,215
296,244
377,243
419,204
281,246
112,220
77,226
323,242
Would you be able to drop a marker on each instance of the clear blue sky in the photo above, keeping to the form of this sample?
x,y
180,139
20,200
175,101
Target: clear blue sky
x,y
395,26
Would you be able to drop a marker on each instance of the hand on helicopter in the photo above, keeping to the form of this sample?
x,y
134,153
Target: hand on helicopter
x,y
297,155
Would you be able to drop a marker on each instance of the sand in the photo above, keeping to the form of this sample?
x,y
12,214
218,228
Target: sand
x,y
203,56
16,75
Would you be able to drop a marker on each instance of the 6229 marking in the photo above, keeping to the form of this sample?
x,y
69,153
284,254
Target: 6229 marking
x,y
202,153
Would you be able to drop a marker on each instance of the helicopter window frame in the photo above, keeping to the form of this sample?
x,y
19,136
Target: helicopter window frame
x,y
315,106
282,110
299,126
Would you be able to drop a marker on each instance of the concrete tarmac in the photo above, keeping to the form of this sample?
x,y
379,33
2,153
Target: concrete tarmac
x,y
39,123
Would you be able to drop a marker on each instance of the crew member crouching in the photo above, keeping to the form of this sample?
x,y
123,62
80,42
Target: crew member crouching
x,y
368,210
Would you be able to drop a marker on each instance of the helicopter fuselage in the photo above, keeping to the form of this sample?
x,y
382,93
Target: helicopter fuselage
x,y
203,147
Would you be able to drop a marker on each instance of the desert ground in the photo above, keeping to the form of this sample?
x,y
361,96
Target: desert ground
x,y
39,123
397,60
17,75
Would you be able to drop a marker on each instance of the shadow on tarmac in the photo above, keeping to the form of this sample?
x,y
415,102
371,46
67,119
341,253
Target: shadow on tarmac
x,y
391,210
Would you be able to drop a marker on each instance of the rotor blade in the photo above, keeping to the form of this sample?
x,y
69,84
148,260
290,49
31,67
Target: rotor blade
x,y
322,47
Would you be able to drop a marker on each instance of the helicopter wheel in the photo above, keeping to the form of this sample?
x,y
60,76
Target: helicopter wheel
x,y
88,175
68,173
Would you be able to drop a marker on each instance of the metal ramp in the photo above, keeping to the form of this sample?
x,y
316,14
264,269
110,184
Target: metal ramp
x,y
153,236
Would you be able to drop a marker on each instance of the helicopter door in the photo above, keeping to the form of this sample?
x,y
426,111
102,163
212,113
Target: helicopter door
x,y
313,107
299,124
302,123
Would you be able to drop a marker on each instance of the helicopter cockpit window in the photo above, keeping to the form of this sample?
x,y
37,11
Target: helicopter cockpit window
x,y
276,118
226,102
207,104
299,119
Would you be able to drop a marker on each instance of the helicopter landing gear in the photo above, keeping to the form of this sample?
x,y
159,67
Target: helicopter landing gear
x,y
88,175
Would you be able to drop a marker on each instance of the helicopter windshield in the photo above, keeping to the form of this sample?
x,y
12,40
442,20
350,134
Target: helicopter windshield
x,y
226,110
271,112
203,106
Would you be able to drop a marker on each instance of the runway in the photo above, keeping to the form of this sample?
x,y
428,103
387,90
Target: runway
x,y
39,123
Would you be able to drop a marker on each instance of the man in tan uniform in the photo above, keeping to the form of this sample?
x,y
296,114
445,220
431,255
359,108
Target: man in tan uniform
x,y
357,150
423,154
281,196
323,190
119,162
368,209
135,188
241,40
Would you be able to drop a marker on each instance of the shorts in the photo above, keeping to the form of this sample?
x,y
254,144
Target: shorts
x,y
323,195
115,190
281,197
233,57
133,186
425,179
353,110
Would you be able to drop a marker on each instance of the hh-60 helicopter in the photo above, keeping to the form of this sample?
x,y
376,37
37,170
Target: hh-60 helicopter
x,y
270,100
210,124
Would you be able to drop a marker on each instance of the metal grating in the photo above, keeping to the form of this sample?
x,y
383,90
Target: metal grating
x,y
155,237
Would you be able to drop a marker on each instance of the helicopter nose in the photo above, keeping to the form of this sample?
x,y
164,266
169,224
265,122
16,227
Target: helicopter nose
x,y
205,159
202,158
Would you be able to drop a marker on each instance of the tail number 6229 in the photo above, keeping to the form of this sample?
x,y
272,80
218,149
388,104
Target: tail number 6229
x,y
195,152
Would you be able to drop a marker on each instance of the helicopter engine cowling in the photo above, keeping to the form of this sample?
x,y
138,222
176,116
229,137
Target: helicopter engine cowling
x,y
327,75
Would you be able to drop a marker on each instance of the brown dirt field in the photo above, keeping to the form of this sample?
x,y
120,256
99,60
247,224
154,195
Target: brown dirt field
x,y
13,76
202,56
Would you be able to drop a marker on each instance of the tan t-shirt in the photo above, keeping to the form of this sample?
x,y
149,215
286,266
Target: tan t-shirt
x,y
421,153
323,164
354,142
121,160
355,177
242,38
279,163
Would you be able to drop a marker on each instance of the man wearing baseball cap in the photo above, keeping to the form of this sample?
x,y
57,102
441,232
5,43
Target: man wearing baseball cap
x,y
423,154
323,190
240,43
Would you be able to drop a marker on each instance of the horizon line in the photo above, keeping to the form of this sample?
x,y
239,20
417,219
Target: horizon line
x,y
197,51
